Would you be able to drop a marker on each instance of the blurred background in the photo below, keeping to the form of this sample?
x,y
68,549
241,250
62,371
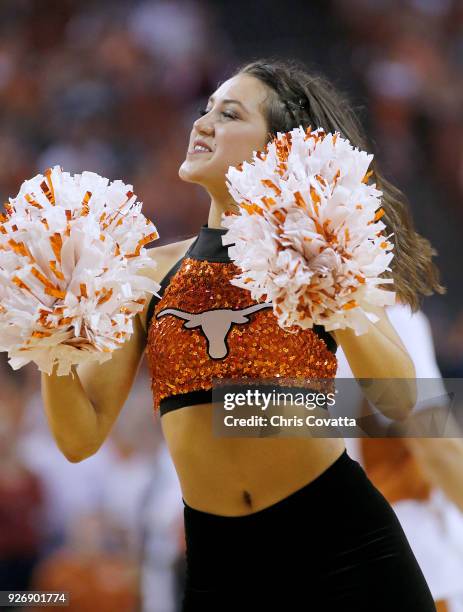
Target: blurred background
x,y
114,87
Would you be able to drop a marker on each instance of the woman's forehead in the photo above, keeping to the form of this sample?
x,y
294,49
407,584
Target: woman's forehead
x,y
244,88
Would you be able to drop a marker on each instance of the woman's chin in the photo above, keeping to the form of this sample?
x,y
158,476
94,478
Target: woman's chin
x,y
189,174
187,171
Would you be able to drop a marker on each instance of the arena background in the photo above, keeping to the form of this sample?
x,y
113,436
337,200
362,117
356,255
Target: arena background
x,y
114,87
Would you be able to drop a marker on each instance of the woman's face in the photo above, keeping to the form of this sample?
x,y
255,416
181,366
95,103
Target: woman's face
x,y
233,127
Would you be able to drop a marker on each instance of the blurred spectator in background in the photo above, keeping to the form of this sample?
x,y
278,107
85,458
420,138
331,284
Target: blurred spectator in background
x,y
70,490
162,537
21,502
95,575
422,478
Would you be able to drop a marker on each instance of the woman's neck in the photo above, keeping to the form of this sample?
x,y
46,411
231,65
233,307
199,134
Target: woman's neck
x,y
217,208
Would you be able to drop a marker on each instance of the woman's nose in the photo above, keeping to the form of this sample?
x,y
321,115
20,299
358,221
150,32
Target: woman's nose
x,y
204,125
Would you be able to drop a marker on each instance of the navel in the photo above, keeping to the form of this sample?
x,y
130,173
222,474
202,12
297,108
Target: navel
x,y
247,498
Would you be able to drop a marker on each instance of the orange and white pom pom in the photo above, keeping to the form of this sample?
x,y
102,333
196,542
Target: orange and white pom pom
x,y
70,251
309,237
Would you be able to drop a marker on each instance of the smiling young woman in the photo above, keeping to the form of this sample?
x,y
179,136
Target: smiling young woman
x,y
272,523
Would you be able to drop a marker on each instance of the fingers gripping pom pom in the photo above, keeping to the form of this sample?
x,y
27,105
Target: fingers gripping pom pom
x,y
70,251
309,236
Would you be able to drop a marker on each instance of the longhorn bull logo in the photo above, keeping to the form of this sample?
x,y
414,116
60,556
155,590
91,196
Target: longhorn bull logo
x,y
215,324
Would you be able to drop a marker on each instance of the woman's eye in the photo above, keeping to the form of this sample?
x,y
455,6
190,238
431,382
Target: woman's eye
x,y
204,111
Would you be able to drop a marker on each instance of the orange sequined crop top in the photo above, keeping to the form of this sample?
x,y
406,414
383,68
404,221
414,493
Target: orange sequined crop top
x,y
203,327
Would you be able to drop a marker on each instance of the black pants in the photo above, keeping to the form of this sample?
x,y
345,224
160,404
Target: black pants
x,y
334,545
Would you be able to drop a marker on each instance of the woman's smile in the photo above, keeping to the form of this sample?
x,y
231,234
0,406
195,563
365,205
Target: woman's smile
x,y
200,146
198,151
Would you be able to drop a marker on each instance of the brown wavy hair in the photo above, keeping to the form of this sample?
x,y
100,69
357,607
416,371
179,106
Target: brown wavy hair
x,y
297,97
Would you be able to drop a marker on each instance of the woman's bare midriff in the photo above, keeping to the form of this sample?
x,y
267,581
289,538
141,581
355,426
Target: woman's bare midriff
x,y
233,476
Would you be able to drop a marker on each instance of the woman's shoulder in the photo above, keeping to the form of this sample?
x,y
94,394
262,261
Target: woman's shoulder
x,y
167,254
165,257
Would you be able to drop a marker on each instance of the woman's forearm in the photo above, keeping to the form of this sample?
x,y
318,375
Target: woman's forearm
x,y
376,355
71,415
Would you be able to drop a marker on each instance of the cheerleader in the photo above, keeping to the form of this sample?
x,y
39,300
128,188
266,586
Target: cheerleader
x,y
270,523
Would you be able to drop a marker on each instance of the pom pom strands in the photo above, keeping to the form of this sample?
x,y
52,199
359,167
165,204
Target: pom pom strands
x,y
309,237
70,249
